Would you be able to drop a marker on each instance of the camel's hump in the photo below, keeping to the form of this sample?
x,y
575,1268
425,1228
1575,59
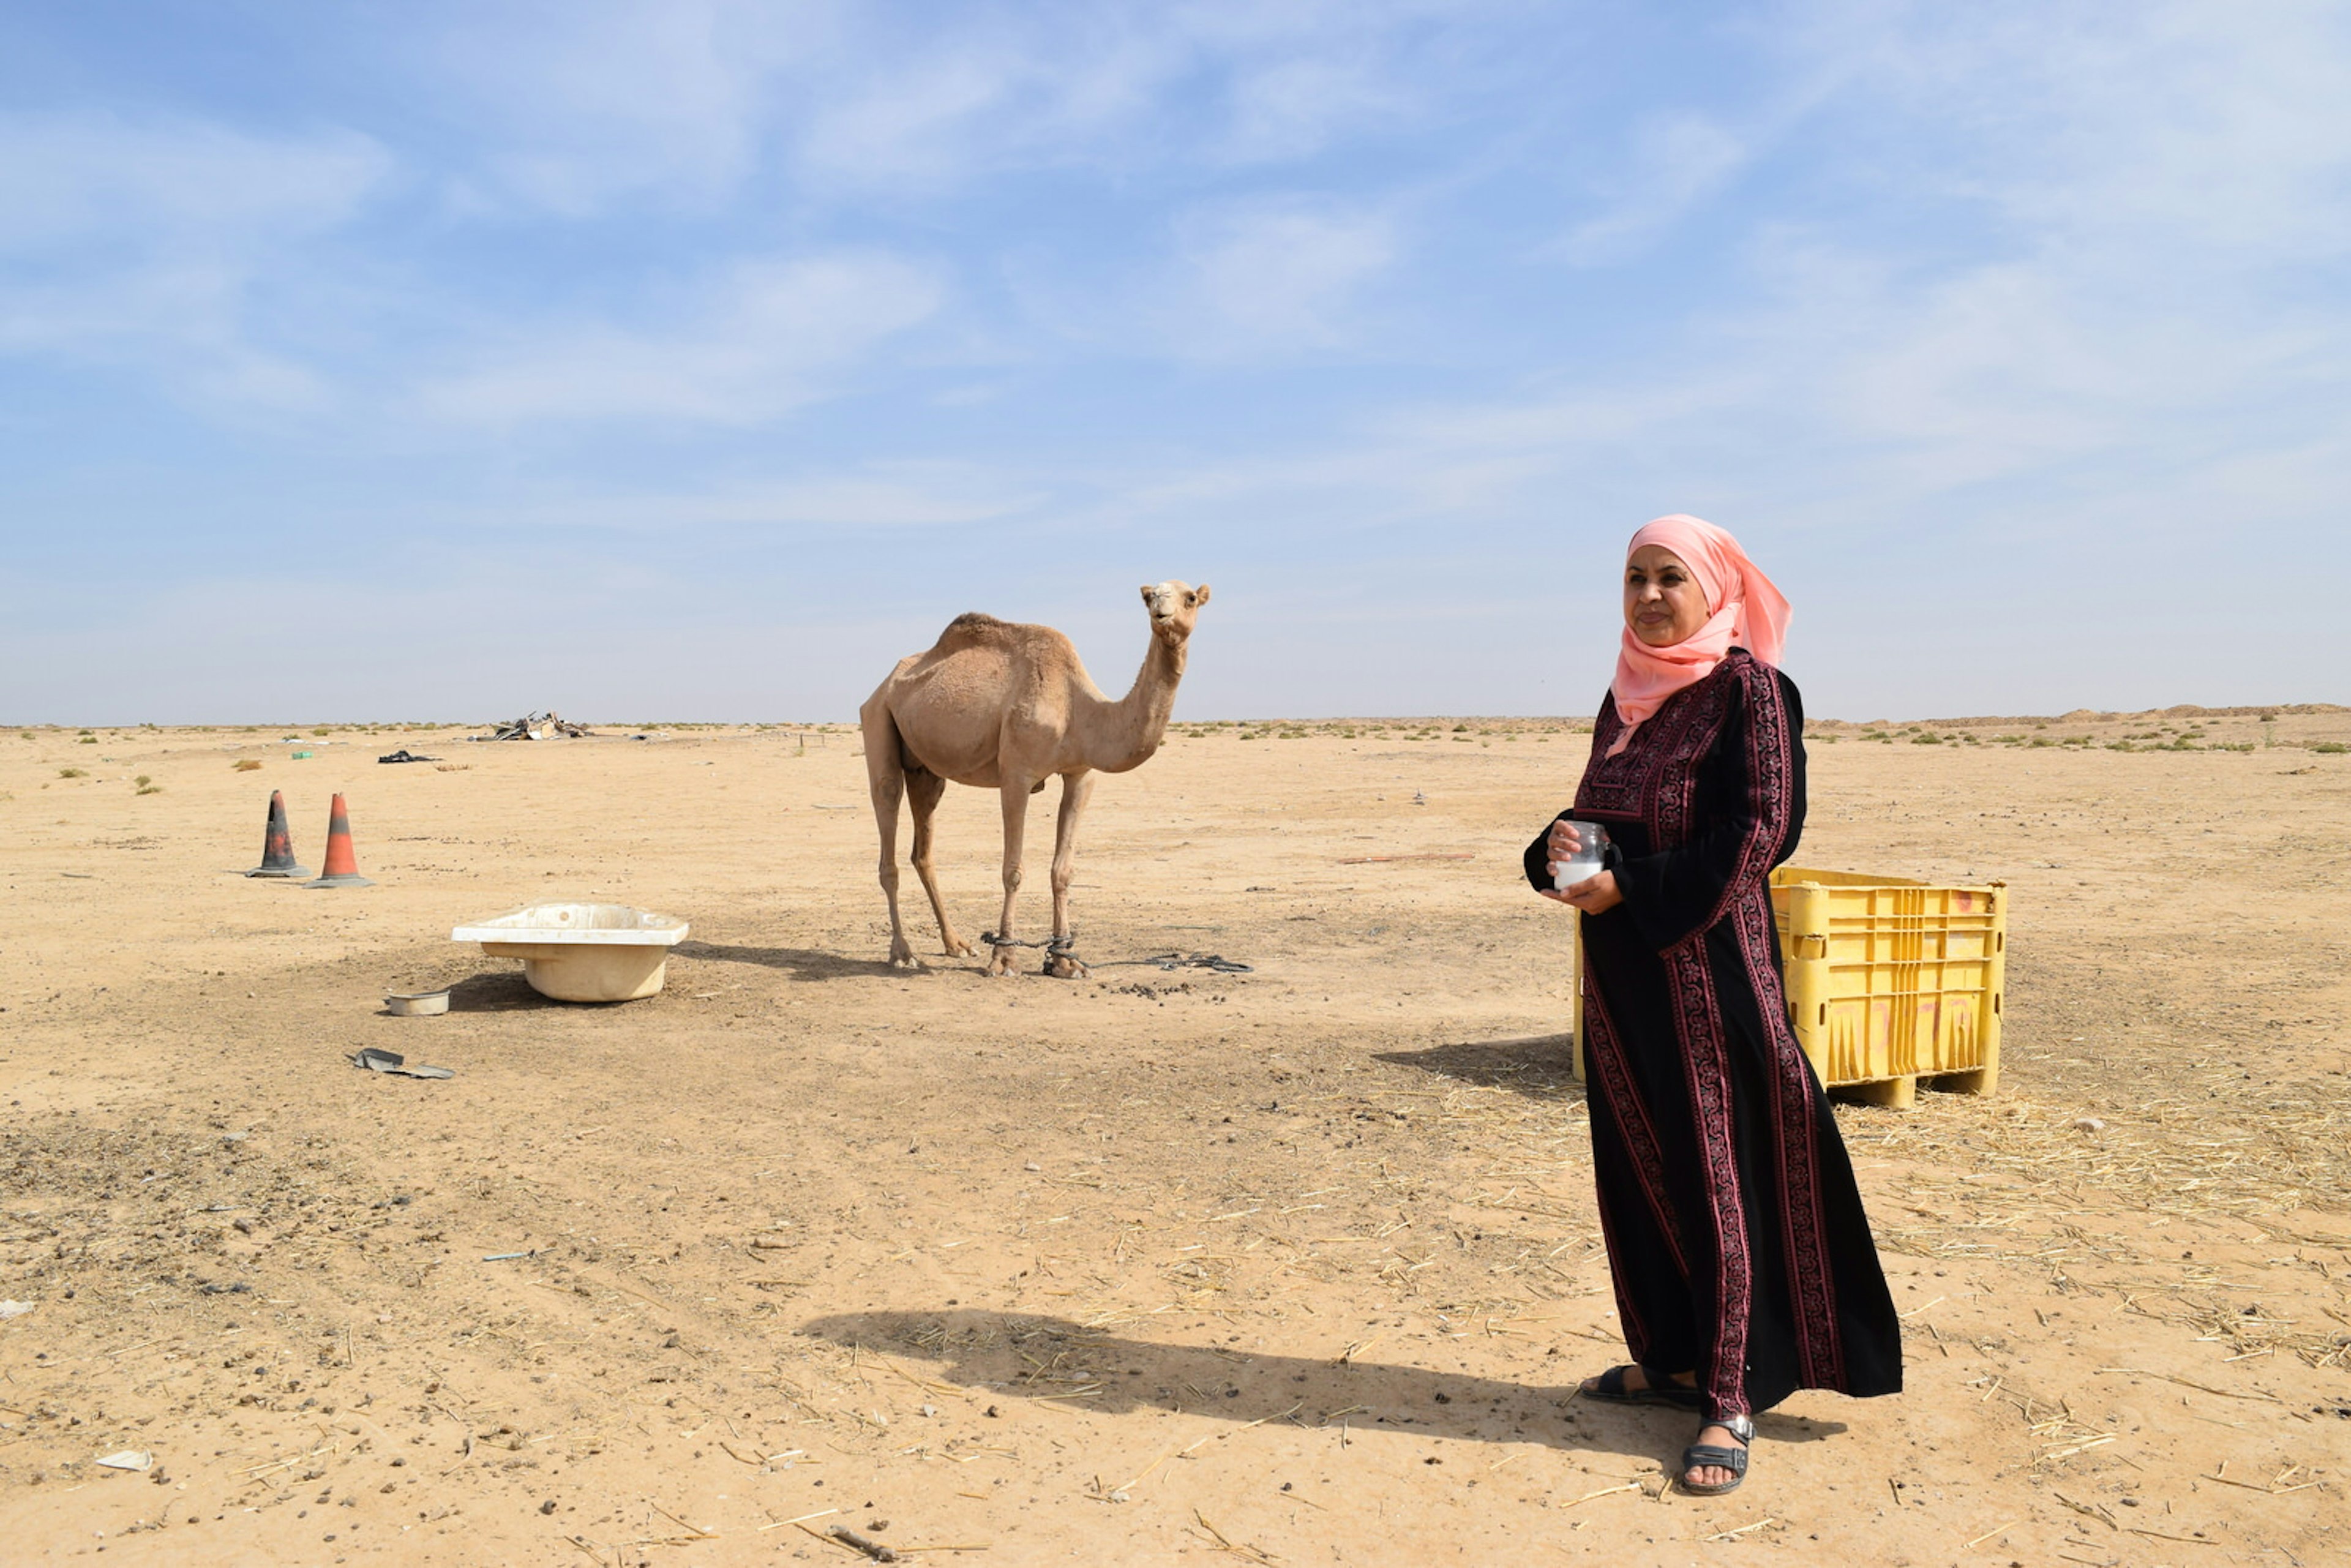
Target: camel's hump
x,y
973,629
974,622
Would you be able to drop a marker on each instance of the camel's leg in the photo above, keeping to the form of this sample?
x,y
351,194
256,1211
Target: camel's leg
x,y
886,778
1076,790
923,789
1015,793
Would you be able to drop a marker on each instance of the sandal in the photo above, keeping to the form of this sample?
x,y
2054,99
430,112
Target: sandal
x,y
1704,1456
1660,1390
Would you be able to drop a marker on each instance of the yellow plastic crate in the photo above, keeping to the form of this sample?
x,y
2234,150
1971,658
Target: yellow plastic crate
x,y
1889,980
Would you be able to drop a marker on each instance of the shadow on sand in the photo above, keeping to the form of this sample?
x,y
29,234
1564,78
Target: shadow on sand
x,y
1537,1066
800,963
1044,1357
500,991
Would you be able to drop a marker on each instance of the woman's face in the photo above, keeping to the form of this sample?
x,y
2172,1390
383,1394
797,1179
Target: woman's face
x,y
1663,602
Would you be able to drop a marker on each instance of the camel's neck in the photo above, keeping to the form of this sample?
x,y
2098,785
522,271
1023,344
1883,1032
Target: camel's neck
x,y
1134,725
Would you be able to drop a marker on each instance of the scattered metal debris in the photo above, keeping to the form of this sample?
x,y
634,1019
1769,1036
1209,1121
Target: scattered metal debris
x,y
378,1061
536,726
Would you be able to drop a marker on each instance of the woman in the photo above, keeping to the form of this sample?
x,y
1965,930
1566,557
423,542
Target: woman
x,y
1743,1264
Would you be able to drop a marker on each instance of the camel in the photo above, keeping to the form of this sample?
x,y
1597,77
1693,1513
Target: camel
x,y
1005,708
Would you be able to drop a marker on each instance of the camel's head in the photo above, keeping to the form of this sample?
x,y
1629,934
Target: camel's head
x,y
1174,607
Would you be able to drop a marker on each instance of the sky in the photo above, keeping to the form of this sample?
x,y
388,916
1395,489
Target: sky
x,y
697,359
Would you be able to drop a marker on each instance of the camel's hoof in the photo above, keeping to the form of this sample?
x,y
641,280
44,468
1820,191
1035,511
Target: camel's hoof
x,y
961,949
1063,967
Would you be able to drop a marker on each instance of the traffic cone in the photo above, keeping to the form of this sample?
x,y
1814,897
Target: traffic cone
x,y
277,843
342,865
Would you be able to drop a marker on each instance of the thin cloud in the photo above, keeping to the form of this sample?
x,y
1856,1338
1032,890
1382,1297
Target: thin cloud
x,y
1275,277
1677,163
69,181
755,344
152,243
1292,108
2187,123
926,122
582,106
848,503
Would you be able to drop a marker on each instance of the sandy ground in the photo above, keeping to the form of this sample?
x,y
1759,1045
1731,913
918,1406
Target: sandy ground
x,y
1294,1266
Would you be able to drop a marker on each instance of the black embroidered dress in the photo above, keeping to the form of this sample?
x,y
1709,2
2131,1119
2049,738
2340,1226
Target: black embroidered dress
x,y
1735,1232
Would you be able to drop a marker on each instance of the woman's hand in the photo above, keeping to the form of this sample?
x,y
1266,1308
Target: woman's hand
x,y
1594,895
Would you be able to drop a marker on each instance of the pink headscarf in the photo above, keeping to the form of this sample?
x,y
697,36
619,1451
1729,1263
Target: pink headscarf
x,y
1747,612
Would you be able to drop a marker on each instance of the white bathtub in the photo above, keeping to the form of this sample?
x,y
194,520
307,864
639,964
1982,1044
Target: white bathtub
x,y
582,952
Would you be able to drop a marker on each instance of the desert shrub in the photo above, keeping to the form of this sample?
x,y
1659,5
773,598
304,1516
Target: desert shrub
x,y
73,773
2331,747
150,789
